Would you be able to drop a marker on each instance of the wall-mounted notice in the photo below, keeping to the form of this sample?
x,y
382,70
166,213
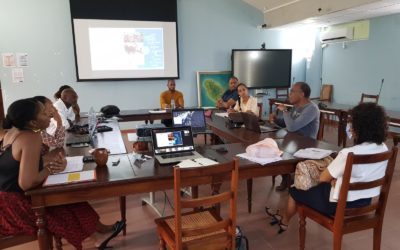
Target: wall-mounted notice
x,y
17,75
8,60
22,60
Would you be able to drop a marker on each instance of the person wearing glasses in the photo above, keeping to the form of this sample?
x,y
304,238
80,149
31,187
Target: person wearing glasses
x,y
303,118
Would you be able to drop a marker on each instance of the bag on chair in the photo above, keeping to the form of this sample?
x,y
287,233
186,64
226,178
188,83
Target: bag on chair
x,y
308,172
110,111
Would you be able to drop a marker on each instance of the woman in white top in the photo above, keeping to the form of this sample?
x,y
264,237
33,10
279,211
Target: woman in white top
x,y
368,129
245,103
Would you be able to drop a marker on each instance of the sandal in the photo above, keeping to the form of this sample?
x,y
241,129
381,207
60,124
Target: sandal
x,y
271,212
117,228
282,227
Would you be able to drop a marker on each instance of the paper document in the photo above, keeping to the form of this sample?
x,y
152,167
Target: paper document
x,y
199,162
258,160
223,114
313,153
157,111
132,137
74,164
58,179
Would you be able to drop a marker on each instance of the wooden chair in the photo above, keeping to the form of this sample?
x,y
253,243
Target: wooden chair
x,y
326,93
349,220
201,229
369,98
282,93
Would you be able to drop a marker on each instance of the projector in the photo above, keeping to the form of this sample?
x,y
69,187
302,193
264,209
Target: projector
x,y
144,130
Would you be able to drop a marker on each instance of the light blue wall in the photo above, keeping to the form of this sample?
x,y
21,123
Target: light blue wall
x,y
208,31
361,65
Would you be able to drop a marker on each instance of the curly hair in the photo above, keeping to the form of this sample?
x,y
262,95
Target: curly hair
x,y
369,123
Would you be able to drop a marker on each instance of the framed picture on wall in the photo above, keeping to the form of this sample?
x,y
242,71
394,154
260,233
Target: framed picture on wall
x,y
210,86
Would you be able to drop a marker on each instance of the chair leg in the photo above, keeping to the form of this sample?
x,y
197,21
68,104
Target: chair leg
x,y
273,180
302,230
377,237
337,240
249,194
162,244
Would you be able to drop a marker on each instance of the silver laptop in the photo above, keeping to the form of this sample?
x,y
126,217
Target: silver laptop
x,y
79,139
190,117
172,145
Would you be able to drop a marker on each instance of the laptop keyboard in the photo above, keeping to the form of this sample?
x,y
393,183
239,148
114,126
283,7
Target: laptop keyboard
x,y
177,155
78,139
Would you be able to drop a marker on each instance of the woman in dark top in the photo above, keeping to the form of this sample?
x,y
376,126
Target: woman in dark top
x,y
22,168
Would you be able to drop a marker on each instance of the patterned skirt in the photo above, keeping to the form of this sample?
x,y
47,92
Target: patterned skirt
x,y
73,222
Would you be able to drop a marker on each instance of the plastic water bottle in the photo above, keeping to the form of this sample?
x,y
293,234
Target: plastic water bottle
x,y
172,103
91,119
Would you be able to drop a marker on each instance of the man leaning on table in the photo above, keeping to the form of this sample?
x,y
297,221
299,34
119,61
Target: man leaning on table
x,y
303,118
230,96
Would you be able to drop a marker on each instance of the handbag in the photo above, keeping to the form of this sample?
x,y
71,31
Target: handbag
x,y
110,111
308,172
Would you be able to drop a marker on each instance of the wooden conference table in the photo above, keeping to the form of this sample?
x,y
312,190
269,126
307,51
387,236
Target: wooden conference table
x,y
342,112
132,176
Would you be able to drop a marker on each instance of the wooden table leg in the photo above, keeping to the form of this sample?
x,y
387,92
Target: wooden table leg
x,y
122,207
215,187
249,194
43,237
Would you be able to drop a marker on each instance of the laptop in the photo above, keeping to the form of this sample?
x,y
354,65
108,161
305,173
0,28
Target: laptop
x,y
251,123
79,139
190,117
172,145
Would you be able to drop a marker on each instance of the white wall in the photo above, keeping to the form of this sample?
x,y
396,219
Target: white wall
x,y
207,32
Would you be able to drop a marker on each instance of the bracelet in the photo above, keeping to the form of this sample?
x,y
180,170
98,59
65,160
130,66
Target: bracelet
x,y
49,169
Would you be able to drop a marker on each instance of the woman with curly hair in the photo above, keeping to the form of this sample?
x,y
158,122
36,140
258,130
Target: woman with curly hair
x,y
22,168
368,128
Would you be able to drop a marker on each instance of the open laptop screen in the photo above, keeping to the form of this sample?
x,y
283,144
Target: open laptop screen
x,y
172,140
189,117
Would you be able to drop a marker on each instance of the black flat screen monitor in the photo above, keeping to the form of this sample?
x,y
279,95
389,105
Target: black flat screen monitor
x,y
263,68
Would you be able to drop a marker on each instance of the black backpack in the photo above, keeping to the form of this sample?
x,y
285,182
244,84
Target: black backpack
x,y
110,111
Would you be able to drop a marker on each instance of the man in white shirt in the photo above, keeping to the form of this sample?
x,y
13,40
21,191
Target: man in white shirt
x,y
65,106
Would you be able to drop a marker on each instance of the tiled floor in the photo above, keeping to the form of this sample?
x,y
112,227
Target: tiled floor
x,y
262,236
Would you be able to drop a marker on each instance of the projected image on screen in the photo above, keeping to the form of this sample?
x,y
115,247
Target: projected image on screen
x,y
126,48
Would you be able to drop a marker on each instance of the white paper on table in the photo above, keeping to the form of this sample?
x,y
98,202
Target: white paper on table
x,y
132,137
56,179
258,160
157,111
74,164
198,162
313,153
223,114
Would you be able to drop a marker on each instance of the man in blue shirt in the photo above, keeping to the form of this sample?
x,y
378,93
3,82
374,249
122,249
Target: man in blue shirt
x,y
303,118
230,96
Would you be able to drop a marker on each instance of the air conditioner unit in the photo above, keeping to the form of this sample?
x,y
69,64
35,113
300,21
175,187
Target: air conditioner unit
x,y
337,35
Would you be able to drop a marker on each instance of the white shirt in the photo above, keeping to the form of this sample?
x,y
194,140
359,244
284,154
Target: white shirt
x,y
250,105
65,113
360,173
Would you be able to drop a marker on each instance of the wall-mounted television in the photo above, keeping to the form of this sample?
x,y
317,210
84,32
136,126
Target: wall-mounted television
x,y
263,68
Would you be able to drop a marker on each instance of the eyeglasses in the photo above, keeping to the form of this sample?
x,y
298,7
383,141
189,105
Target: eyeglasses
x,y
295,91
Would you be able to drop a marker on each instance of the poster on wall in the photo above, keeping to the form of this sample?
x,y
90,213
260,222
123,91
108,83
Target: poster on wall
x,y
210,86
22,60
8,60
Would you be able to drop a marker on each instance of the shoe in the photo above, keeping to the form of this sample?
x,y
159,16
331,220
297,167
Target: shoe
x,y
271,212
277,219
284,184
117,228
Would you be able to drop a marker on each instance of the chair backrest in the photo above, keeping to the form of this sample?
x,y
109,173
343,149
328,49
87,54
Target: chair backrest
x,y
378,206
217,173
282,93
369,98
260,110
326,93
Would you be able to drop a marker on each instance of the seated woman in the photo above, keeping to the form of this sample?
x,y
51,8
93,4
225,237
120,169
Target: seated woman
x,y
54,135
22,168
245,103
369,129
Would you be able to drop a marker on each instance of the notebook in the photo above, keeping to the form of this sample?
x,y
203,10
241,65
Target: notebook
x,y
251,123
190,117
172,145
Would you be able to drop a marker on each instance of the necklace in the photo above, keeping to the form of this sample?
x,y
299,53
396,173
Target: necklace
x,y
36,130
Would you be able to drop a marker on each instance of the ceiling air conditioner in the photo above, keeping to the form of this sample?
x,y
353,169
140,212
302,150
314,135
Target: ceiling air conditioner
x,y
337,35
